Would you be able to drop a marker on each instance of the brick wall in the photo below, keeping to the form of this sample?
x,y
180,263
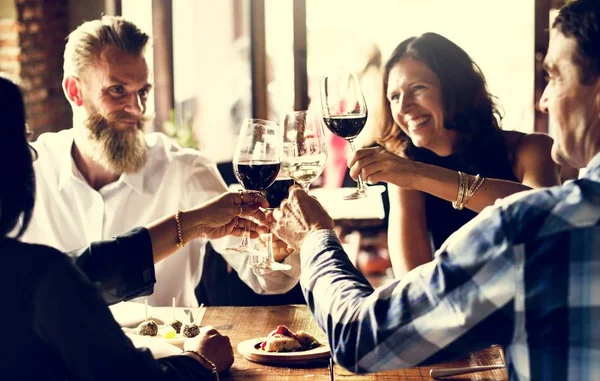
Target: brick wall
x,y
42,29
9,48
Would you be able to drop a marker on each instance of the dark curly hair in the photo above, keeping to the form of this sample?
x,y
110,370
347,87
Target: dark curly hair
x,y
17,189
581,20
469,108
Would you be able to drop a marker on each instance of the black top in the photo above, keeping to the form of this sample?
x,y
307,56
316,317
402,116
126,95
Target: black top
x,y
56,325
442,218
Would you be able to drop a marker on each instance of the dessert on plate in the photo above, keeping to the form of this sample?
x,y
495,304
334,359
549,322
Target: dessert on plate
x,y
282,339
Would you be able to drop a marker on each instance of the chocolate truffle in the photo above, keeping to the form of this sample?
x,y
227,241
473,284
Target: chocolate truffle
x,y
147,328
176,324
190,330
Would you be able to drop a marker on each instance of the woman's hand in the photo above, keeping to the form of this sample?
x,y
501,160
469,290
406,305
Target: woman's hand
x,y
377,164
228,214
212,345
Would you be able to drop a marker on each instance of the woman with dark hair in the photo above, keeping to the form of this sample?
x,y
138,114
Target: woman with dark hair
x,y
446,157
74,336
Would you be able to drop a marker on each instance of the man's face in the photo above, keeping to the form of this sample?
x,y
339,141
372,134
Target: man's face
x,y
114,93
573,107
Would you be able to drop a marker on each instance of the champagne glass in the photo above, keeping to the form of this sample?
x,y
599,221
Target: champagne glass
x,y
256,163
304,147
345,114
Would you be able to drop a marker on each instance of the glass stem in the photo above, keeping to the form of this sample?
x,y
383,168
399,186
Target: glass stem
x,y
270,256
362,188
306,186
245,242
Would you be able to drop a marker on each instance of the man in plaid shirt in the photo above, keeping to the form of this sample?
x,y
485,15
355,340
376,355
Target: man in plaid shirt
x,y
524,274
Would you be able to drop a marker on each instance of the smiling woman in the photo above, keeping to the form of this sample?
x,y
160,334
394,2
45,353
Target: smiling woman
x,y
446,154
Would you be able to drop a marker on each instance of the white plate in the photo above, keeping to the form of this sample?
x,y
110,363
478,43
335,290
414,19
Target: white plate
x,y
130,314
177,340
250,349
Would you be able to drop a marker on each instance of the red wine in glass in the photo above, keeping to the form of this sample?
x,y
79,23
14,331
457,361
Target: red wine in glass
x,y
277,192
344,112
346,126
256,164
256,175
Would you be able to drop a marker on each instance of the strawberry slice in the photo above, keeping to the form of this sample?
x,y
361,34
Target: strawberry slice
x,y
285,331
280,330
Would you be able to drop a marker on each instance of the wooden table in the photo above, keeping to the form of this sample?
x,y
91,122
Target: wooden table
x,y
242,323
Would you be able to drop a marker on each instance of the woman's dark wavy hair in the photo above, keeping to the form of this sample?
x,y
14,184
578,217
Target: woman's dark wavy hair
x,y
17,188
581,20
468,106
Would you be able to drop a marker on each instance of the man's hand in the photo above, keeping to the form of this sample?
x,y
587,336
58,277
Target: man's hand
x,y
281,250
212,345
298,216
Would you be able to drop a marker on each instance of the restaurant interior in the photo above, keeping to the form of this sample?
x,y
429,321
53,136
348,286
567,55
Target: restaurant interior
x,y
214,64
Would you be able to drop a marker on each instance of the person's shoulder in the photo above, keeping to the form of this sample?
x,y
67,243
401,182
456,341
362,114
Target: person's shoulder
x,y
512,220
531,152
532,144
538,213
40,256
54,143
162,147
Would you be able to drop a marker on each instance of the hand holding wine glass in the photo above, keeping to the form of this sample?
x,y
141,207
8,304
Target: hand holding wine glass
x,y
256,162
299,216
275,194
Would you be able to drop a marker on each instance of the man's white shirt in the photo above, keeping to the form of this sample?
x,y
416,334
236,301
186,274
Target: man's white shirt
x,y
69,214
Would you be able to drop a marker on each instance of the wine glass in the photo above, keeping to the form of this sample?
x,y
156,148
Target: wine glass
x,y
345,114
274,194
304,147
256,163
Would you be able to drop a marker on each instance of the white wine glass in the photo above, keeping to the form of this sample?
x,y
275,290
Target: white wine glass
x,y
304,147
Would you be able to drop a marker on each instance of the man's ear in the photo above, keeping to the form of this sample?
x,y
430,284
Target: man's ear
x,y
72,89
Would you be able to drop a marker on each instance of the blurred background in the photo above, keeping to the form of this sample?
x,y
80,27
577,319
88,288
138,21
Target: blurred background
x,y
215,63
218,62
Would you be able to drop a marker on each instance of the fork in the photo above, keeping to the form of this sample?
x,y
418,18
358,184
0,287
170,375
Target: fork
x,y
445,372
331,373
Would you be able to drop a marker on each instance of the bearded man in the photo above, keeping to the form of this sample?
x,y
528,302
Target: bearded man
x,y
105,176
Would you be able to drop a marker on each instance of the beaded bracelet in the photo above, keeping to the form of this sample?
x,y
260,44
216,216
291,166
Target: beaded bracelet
x,y
180,243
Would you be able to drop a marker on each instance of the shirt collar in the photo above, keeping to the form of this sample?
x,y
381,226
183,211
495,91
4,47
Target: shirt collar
x,y
69,171
592,170
67,166
134,180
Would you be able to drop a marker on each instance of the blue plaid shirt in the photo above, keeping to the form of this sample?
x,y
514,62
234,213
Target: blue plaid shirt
x,y
524,274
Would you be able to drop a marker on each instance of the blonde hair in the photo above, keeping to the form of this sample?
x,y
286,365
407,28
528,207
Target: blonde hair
x,y
87,41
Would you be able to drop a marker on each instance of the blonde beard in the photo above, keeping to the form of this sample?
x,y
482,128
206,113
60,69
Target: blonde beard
x,y
116,151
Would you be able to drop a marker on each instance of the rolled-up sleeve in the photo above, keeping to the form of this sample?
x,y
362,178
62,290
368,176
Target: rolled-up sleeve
x,y
122,267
